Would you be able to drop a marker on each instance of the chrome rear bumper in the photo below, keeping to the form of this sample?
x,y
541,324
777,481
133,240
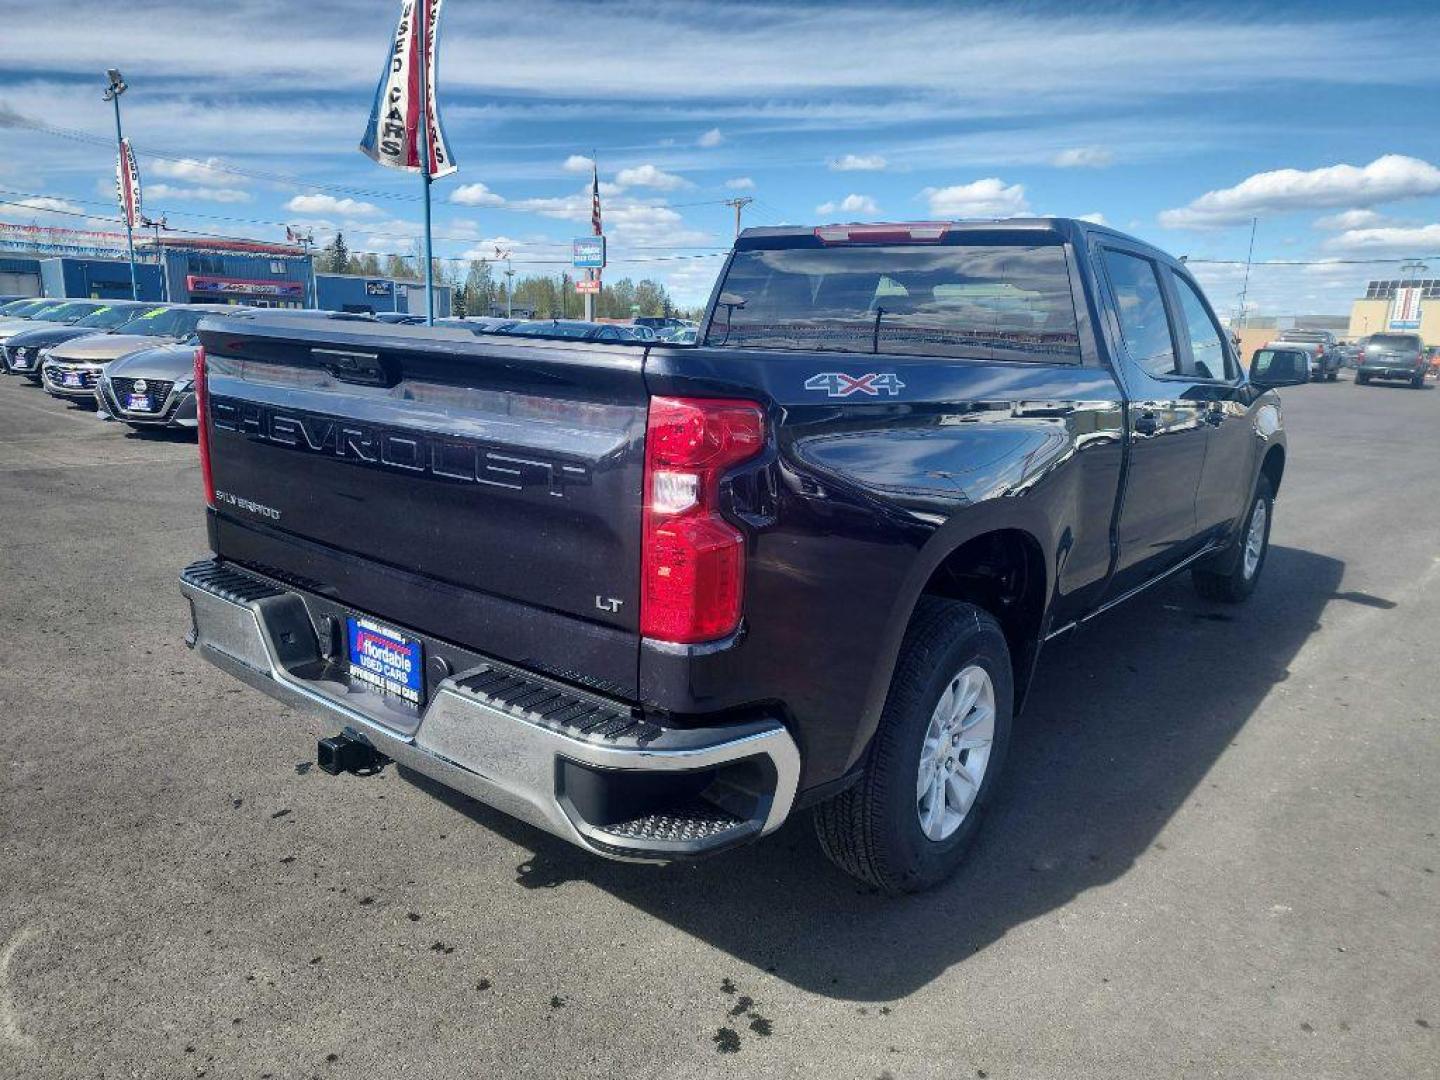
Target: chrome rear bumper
x,y
572,763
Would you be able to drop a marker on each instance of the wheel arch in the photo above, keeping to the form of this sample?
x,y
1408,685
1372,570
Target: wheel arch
x,y
1272,467
1001,565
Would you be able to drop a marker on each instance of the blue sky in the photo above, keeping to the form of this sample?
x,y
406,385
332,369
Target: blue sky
x,y
1174,122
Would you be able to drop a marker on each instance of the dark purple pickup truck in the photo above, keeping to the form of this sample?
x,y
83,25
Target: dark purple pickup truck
x,y
656,599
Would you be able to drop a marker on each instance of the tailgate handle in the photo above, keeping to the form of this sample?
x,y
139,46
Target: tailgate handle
x,y
353,367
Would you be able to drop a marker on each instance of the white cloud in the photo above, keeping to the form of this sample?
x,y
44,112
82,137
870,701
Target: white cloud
x,y
710,138
1083,157
206,194
740,183
986,198
651,177
1386,179
1390,240
329,204
1350,219
578,163
210,172
851,204
46,202
1095,218
476,194
858,163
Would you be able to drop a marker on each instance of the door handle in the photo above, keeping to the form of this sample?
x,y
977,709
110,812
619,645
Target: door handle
x,y
1146,424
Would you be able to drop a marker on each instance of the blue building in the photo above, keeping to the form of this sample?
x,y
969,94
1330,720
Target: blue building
x,y
352,292
36,261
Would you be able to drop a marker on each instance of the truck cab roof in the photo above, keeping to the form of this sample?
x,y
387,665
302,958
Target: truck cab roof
x,y
1013,230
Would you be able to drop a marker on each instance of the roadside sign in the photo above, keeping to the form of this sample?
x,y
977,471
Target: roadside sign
x,y
587,285
589,252
1405,310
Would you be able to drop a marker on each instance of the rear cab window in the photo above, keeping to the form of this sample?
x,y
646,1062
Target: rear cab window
x,y
973,301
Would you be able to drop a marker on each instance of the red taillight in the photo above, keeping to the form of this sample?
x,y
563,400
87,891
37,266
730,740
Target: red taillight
x,y
693,569
917,232
202,414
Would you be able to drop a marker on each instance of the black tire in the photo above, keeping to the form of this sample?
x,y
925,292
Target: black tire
x,y
1334,376
1418,382
1224,578
872,829
1361,379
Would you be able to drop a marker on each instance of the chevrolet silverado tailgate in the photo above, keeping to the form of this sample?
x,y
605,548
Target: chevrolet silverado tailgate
x,y
483,490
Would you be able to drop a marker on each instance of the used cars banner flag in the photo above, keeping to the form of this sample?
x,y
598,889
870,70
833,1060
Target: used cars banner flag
x,y
394,137
127,184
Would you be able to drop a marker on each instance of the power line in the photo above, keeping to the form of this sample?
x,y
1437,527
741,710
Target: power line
x,y
217,165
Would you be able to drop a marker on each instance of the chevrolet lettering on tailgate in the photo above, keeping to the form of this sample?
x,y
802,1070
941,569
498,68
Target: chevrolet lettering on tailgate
x,y
448,458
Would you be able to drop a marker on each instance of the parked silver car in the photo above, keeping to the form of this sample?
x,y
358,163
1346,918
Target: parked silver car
x,y
150,388
72,370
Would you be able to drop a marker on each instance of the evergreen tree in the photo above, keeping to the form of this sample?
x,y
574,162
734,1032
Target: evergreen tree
x,y
334,256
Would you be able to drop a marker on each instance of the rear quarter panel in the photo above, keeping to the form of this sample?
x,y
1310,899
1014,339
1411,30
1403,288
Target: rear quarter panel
x,y
861,497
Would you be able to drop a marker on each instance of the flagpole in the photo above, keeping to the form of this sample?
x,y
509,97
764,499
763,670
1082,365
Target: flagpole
x,y
425,29
112,94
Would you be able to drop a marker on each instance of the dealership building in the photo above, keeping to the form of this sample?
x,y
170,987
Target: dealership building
x,y
1402,305
36,261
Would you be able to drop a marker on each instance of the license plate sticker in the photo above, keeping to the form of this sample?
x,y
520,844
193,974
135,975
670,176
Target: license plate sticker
x,y
138,402
72,379
386,661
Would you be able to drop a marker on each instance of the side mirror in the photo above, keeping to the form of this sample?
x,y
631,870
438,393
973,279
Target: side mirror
x,y
732,300
1271,369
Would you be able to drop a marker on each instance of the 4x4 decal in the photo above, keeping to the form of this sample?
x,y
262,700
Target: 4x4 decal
x,y
838,384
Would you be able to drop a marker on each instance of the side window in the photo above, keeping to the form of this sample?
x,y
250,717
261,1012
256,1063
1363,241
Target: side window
x,y
1207,345
1141,308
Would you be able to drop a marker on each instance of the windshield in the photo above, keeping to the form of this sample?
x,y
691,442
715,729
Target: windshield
x,y
985,302
107,318
70,313
555,329
34,308
15,306
173,322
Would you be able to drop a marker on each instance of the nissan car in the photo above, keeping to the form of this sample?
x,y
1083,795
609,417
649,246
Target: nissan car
x,y
150,388
25,353
72,370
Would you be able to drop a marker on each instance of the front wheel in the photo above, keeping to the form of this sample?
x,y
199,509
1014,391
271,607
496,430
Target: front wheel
x,y
1361,380
906,824
1234,572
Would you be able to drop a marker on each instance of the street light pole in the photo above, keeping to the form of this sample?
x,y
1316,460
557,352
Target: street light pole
x,y
112,94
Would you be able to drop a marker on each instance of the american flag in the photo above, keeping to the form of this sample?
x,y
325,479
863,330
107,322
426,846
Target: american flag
x,y
595,199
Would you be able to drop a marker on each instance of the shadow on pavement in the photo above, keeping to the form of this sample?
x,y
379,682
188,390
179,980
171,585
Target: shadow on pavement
x,y
1123,724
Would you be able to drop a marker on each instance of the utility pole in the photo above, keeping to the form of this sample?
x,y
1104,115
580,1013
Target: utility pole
x,y
504,255
158,224
112,94
306,240
739,203
1245,286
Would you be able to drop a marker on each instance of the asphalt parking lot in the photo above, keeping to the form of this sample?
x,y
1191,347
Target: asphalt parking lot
x,y
1216,855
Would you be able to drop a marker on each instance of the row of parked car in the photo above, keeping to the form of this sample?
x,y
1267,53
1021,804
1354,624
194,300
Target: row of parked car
x,y
134,359
1386,356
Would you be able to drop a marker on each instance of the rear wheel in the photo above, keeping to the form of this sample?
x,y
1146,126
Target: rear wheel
x,y
1418,380
1334,376
934,761
1235,571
